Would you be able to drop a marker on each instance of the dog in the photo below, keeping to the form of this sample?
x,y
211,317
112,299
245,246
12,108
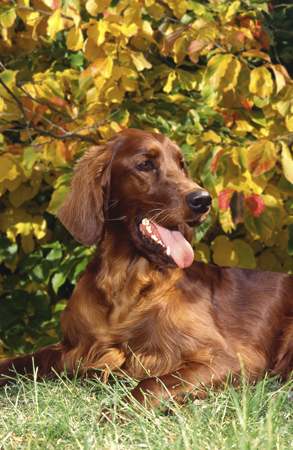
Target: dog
x,y
143,306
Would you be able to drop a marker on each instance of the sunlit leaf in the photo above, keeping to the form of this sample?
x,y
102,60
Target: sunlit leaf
x,y
261,82
261,157
55,24
224,252
287,162
255,203
74,39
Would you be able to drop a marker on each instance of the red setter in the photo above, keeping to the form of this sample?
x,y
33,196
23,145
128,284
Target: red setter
x,y
143,306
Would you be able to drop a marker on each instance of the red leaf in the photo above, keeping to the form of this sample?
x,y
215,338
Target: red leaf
x,y
246,104
55,5
264,40
40,111
224,199
255,203
195,48
257,28
216,159
239,36
271,8
261,157
57,101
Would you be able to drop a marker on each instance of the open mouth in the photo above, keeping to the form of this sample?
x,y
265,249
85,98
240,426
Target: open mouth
x,y
168,244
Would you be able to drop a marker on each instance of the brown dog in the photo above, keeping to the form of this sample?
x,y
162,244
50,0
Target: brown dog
x,y
143,306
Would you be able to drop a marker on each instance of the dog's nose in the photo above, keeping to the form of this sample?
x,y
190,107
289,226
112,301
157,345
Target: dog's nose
x,y
198,201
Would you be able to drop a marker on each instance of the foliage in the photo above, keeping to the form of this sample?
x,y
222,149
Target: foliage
x,y
214,76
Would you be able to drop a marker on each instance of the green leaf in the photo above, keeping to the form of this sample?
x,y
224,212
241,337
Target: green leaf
x,y
76,59
30,156
8,250
10,282
40,300
57,199
29,261
78,269
201,231
55,255
59,277
209,178
290,242
40,272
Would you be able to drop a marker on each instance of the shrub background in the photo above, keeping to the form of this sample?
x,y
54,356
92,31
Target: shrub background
x,y
214,76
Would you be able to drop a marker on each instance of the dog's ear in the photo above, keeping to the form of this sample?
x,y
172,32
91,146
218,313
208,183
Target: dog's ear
x,y
82,212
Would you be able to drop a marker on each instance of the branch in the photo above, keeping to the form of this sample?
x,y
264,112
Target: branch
x,y
160,33
30,124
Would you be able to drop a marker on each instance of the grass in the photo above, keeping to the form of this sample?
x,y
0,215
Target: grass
x,y
67,415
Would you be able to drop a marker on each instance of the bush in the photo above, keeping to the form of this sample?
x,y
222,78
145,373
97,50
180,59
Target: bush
x,y
213,76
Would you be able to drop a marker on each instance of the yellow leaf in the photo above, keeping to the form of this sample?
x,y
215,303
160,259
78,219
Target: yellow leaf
x,y
281,76
188,80
289,122
256,54
7,16
139,61
268,261
8,168
216,68
231,11
285,104
28,243
11,185
226,220
223,252
245,254
169,86
179,7
55,24
94,7
91,51
202,252
39,226
261,82
74,39
261,157
211,136
129,84
114,94
230,79
102,66
73,13
57,199
287,163
36,23
55,153
22,194
133,13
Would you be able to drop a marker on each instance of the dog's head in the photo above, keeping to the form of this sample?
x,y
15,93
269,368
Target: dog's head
x,y
138,186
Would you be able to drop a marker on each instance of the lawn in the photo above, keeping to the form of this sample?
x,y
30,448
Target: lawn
x,y
67,414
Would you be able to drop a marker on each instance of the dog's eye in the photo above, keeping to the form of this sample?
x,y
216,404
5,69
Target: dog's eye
x,y
145,166
182,166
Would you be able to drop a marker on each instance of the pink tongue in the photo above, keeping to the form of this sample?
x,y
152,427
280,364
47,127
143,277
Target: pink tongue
x,y
181,250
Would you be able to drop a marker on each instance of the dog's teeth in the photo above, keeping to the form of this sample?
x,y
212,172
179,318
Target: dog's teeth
x,y
149,229
154,237
145,221
161,243
168,251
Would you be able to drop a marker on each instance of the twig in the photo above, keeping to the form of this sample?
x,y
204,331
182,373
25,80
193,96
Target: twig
x,y
69,135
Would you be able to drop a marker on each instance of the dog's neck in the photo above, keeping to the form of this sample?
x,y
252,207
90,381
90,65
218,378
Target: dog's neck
x,y
126,280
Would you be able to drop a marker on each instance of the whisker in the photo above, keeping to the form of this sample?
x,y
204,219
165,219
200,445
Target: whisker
x,y
118,218
113,203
